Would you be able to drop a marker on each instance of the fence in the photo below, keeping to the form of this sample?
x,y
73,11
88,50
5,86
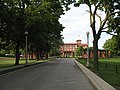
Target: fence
x,y
111,67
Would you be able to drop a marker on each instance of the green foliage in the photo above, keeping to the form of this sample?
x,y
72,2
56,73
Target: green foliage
x,y
114,25
88,2
66,3
38,17
112,45
79,51
113,22
44,25
54,52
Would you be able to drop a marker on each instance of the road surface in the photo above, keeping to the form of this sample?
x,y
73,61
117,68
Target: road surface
x,y
61,74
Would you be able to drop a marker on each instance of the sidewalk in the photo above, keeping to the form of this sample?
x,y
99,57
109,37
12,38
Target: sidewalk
x,y
17,67
99,83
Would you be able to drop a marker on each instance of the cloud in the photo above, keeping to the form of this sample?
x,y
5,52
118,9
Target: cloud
x,y
76,22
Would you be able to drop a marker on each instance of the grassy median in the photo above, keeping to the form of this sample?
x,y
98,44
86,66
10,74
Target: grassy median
x,y
109,70
6,62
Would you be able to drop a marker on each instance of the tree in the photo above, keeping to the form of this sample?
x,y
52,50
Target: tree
x,y
79,51
112,45
44,26
13,23
109,8
114,29
38,17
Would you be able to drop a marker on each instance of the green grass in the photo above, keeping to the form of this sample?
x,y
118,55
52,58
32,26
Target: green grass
x,y
107,70
115,61
9,62
6,62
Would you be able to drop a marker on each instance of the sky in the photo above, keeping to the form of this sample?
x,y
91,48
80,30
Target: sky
x,y
76,22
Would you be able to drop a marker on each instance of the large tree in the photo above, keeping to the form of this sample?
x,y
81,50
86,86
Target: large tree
x,y
13,23
44,25
38,17
106,6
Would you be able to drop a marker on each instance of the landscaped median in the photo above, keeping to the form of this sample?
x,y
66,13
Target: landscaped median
x,y
99,83
7,64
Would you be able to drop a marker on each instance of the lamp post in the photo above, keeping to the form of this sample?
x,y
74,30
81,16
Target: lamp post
x,y
54,52
26,36
87,64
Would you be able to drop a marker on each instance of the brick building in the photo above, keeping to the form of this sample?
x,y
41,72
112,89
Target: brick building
x,y
68,49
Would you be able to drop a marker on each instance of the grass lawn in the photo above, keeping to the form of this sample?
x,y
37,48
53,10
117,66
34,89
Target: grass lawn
x,y
109,70
8,62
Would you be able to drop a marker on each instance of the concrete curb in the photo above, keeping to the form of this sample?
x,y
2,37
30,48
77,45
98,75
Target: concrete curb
x,y
98,83
17,67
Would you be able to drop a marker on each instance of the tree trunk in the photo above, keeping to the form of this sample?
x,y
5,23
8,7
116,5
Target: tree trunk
x,y
32,55
46,56
37,55
95,52
17,55
41,55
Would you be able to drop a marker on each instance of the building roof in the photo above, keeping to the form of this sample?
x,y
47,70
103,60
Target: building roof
x,y
82,44
70,43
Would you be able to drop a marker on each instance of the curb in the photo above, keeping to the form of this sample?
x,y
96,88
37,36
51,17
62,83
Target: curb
x,y
14,68
98,83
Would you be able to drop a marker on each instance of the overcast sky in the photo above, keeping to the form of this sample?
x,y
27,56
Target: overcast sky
x,y
76,22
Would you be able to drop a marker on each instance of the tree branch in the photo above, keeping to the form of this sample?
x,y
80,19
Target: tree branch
x,y
90,14
93,24
99,19
112,14
109,33
102,25
105,27
104,22
106,18
92,21
96,7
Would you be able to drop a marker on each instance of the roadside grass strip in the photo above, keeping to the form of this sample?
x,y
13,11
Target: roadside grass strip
x,y
9,62
109,70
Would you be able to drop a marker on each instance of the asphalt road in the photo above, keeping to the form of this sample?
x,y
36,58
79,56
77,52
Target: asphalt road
x,y
61,74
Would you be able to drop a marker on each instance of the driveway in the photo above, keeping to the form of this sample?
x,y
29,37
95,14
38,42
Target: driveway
x,y
60,74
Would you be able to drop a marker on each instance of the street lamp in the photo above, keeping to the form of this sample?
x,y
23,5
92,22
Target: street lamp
x,y
26,36
87,64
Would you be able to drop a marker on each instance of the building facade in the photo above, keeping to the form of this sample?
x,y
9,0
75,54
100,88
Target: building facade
x,y
69,49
